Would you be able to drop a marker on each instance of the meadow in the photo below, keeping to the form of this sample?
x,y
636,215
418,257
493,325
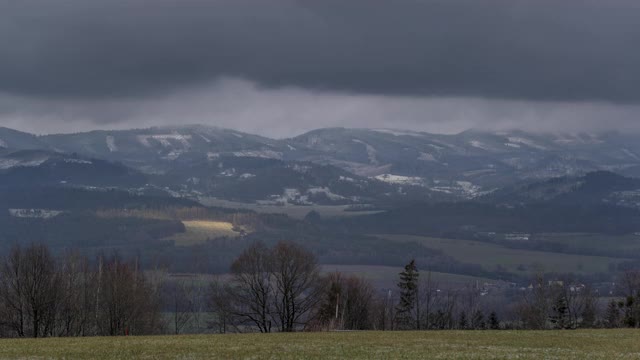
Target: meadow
x,y
578,344
518,261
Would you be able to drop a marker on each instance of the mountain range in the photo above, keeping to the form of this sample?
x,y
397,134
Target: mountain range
x,y
324,166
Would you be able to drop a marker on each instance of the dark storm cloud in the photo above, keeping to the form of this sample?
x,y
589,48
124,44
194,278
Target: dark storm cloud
x,y
506,49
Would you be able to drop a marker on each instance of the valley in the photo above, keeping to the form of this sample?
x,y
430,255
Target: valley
x,y
459,204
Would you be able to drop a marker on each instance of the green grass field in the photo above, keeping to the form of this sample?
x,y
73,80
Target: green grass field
x,y
579,344
514,260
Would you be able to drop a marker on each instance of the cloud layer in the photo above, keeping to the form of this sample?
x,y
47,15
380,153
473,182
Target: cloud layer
x,y
289,111
432,64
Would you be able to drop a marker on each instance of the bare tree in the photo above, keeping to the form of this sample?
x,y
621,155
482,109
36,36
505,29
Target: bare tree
x,y
13,310
296,277
222,304
40,289
76,284
127,304
251,288
347,303
427,296
536,304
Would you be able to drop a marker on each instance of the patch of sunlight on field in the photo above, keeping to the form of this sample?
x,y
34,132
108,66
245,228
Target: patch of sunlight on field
x,y
578,344
199,231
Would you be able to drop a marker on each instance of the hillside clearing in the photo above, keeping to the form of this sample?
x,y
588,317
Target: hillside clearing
x,y
580,344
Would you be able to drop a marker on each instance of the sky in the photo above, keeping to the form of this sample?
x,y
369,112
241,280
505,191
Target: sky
x,y
282,67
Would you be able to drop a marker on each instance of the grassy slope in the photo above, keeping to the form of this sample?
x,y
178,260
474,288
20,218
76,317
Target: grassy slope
x,y
491,255
581,344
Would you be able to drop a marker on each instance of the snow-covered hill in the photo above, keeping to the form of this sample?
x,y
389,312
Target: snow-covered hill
x,y
464,165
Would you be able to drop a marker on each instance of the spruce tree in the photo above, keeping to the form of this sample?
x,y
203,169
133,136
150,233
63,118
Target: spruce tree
x,y
560,316
613,315
477,321
462,321
408,303
494,323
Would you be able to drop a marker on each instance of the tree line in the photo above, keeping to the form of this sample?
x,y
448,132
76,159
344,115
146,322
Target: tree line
x,y
42,296
273,288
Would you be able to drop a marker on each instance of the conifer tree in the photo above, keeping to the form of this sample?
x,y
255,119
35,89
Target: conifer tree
x,y
477,321
613,315
462,321
408,307
560,316
494,323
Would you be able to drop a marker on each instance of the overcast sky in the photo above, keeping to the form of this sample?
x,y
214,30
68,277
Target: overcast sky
x,y
280,67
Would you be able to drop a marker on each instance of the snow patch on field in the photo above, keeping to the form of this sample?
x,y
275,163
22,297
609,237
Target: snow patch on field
x,y
264,154
631,154
371,151
468,187
78,161
289,196
478,144
426,157
111,143
326,191
173,155
517,146
10,163
578,139
302,169
165,139
228,172
34,213
461,188
526,142
437,147
398,132
144,140
401,180
247,176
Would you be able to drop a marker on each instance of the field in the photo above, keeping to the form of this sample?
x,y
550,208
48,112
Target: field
x,y
200,231
612,245
294,211
579,344
387,276
513,260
